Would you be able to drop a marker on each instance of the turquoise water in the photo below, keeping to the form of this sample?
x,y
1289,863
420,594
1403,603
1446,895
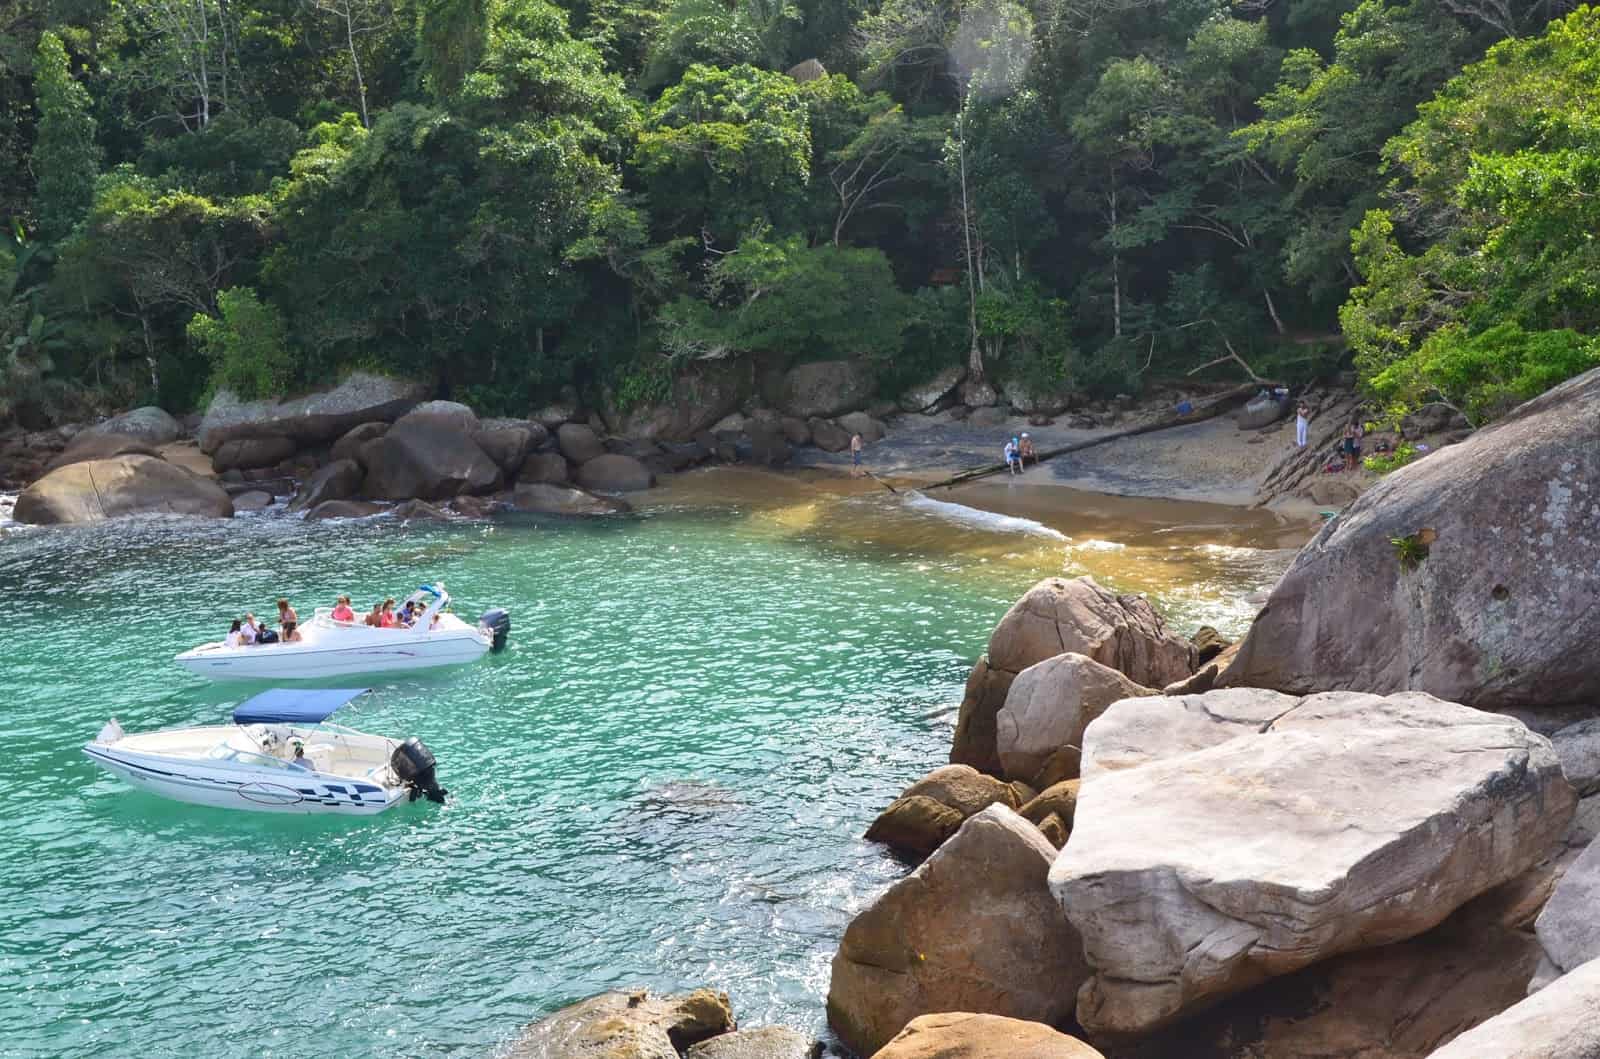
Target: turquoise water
x,y
663,781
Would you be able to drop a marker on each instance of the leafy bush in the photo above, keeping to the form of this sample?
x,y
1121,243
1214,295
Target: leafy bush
x,y
246,345
1384,462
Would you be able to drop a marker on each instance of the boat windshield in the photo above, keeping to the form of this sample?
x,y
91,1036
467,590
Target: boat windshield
x,y
228,752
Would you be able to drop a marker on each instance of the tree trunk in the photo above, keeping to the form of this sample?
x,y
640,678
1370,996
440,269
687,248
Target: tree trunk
x,y
974,353
1272,309
355,62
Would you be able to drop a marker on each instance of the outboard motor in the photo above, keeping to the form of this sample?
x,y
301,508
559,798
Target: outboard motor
x,y
497,621
413,762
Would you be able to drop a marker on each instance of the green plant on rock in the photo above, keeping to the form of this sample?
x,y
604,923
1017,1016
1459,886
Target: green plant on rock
x,y
1384,462
1411,549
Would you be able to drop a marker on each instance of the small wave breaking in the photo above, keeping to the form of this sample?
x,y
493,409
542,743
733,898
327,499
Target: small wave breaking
x,y
978,518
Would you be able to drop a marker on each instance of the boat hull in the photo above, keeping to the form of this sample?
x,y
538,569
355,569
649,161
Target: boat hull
x,y
199,783
329,657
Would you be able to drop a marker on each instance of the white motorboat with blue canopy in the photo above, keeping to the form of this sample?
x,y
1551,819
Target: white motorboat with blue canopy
x,y
329,648
281,755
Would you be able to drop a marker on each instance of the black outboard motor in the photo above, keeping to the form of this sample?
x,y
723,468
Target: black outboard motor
x,y
413,762
497,621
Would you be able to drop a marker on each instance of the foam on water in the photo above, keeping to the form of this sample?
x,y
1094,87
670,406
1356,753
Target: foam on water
x,y
971,516
1098,546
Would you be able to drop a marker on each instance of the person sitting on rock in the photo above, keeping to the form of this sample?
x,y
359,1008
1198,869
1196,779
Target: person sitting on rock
x,y
342,611
1025,452
1012,460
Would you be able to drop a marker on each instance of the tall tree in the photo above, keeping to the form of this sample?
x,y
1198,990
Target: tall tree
x,y
65,157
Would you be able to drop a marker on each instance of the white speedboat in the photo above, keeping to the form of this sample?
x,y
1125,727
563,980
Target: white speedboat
x,y
281,755
329,648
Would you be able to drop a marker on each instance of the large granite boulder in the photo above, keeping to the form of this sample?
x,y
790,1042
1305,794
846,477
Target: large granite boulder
x,y
615,473
828,435
249,454
769,446
122,485
330,509
1560,1022
1261,412
350,443
578,442
630,1024
149,424
1242,848
972,929
826,388
100,446
1578,747
549,498
963,1035
252,500
544,467
339,480
860,423
312,419
934,808
426,459
701,396
929,396
1030,401
508,443
451,414
1057,615
1568,926
1489,600
1047,709
980,393
762,1042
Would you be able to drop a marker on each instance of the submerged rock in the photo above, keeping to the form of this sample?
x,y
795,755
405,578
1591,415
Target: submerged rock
x,y
551,499
1488,600
632,1024
1556,1023
252,500
343,509
123,485
1237,849
973,929
963,1035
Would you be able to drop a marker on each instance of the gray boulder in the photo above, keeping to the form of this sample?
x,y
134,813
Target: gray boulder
x,y
795,430
329,509
631,1024
122,485
1429,419
1250,851
1578,747
701,395
100,446
1047,709
149,424
828,436
338,480
768,445
1568,927
422,511
978,393
508,446
544,467
763,1042
1058,615
1031,402
426,460
972,929
929,396
1556,1023
1490,601
312,419
252,500
578,442
552,499
349,445
248,454
826,388
934,808
615,473
443,413
860,423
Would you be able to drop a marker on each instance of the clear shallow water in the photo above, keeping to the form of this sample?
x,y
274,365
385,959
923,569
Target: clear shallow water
x,y
663,781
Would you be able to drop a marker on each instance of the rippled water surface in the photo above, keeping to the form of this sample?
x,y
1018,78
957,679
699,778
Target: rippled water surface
x,y
662,781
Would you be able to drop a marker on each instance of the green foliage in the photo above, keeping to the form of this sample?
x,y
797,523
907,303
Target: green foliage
x,y
65,157
246,344
450,41
1384,462
645,381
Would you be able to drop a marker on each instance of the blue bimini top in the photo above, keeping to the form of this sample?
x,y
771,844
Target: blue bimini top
x,y
294,705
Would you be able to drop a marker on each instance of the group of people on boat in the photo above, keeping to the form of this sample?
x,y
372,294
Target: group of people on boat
x,y
247,632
